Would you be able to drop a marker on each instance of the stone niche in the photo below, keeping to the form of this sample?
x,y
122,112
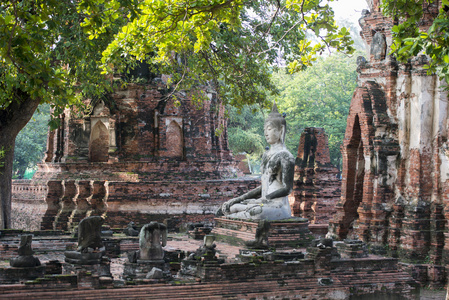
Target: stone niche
x,y
317,182
136,156
395,159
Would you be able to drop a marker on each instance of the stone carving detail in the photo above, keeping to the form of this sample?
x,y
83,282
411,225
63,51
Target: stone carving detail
x,y
268,201
99,143
361,61
174,140
261,239
25,258
378,46
152,238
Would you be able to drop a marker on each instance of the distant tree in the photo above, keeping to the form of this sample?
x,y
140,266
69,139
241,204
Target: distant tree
x,y
245,131
31,142
318,97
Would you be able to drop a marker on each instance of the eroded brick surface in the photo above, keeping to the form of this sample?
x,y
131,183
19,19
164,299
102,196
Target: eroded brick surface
x,y
316,184
395,158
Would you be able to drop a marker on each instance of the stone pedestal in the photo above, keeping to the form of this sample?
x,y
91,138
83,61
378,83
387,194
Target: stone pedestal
x,y
293,232
102,270
352,249
93,262
140,269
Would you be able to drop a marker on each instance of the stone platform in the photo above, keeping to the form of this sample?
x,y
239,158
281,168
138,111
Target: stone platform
x,y
293,232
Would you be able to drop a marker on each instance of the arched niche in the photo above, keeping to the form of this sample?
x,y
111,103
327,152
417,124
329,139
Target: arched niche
x,y
355,175
99,142
174,140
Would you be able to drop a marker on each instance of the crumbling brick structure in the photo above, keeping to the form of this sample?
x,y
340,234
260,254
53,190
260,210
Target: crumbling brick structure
x,y
395,158
317,182
137,156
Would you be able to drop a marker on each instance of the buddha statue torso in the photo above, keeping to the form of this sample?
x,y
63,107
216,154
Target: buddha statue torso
x,y
270,200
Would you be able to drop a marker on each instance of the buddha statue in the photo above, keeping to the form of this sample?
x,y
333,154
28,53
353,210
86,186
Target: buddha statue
x,y
270,200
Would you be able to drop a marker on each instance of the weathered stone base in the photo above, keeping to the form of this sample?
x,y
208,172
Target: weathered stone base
x,y
16,275
78,258
101,270
140,269
292,232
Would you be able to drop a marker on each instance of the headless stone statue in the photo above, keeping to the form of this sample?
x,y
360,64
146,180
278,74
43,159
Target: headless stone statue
x,y
150,243
270,200
25,258
89,233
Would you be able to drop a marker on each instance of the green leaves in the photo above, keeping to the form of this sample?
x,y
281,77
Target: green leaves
x,y
31,141
318,97
229,44
56,51
40,52
410,41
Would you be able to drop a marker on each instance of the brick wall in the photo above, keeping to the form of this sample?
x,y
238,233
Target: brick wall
x,y
395,159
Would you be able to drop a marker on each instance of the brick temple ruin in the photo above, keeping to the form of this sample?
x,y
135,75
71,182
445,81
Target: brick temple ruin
x,y
393,190
137,156
395,159
317,182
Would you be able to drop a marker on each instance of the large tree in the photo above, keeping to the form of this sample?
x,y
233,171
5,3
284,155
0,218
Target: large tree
x,y
51,51
45,57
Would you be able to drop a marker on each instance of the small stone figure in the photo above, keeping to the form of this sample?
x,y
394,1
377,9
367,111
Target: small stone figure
x,y
25,258
270,200
131,229
379,46
155,273
89,233
150,241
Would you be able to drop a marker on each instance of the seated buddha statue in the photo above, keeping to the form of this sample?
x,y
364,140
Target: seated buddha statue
x,y
270,200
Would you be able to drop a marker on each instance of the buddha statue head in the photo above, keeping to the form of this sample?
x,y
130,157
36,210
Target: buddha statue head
x,y
275,127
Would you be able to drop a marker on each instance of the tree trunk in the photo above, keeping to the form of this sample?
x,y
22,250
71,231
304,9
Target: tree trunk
x,y
12,120
5,181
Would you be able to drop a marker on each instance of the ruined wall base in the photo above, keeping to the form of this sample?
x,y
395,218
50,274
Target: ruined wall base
x,y
282,233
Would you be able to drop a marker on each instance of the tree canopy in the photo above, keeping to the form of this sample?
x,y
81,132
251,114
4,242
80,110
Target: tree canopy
x,y
51,51
229,44
319,97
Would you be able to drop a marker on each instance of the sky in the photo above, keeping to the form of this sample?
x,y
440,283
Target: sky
x,y
349,9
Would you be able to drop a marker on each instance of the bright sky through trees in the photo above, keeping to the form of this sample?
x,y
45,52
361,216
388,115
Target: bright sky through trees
x,y
349,9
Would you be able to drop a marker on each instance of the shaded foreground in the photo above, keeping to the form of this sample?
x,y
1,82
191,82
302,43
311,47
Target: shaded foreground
x,y
235,273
